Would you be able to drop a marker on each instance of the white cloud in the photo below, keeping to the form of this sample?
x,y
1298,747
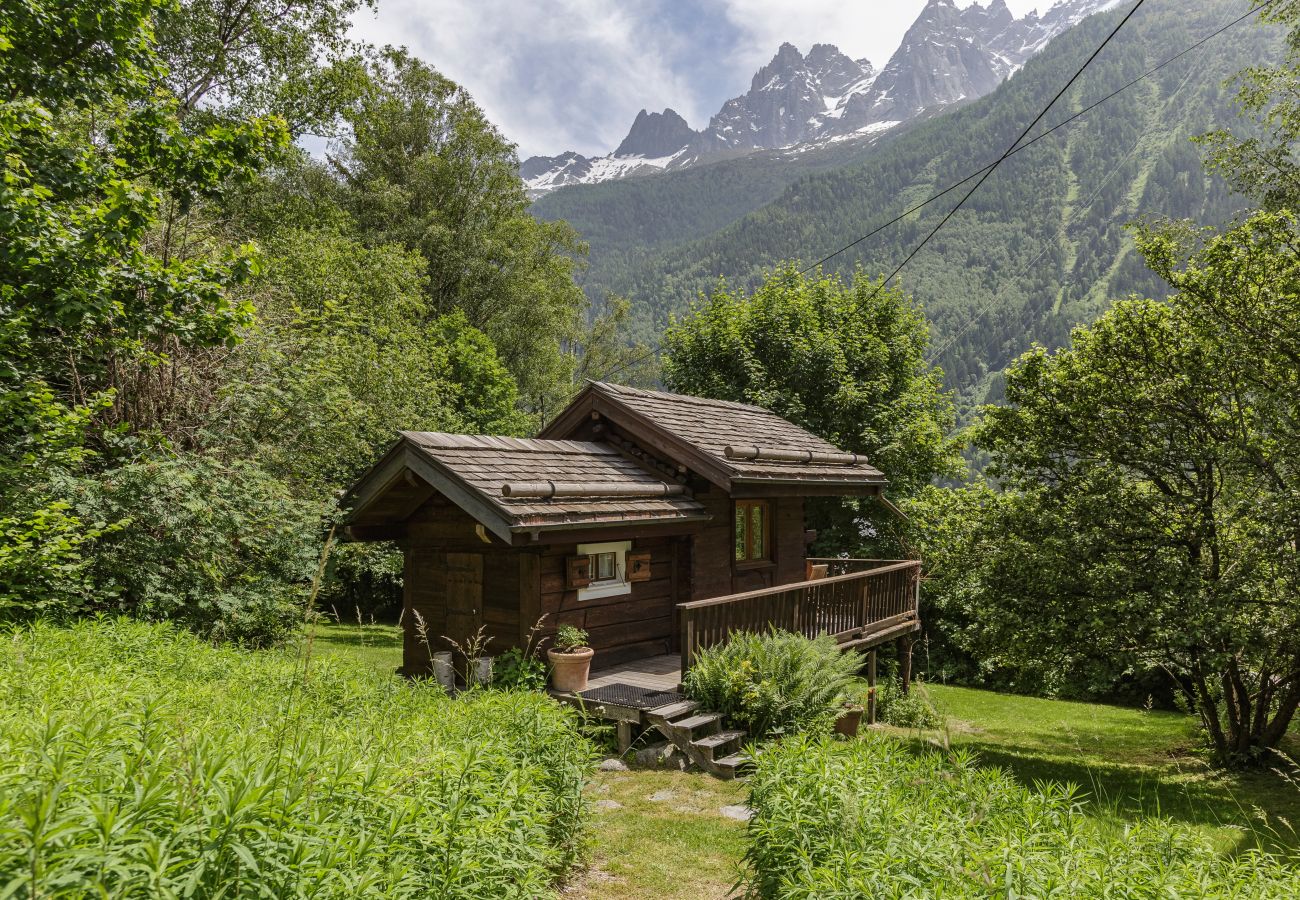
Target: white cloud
x,y
553,76
563,75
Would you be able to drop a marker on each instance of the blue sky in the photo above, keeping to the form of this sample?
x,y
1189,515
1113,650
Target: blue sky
x,y
559,75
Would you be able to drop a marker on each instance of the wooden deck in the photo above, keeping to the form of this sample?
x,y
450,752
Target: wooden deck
x,y
658,673
871,603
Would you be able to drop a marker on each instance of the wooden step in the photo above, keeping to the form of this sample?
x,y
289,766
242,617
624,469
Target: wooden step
x,y
699,721
672,711
709,744
728,765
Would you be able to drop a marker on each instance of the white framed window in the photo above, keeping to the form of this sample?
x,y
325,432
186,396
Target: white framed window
x,y
608,569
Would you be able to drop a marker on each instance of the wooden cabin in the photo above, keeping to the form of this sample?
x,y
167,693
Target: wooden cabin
x,y
657,522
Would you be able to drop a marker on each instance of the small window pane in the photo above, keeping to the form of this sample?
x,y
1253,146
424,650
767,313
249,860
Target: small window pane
x,y
758,531
742,532
604,565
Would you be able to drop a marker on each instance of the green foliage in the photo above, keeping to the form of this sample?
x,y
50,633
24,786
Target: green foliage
x,y
774,683
347,351
422,168
847,363
569,638
90,154
1157,511
177,411
222,549
1263,164
518,669
289,58
875,819
139,762
910,710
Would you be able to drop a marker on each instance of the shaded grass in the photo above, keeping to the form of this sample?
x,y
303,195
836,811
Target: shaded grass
x,y
1131,763
678,846
377,646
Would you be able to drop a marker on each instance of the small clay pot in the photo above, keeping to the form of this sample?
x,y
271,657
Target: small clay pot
x,y
569,670
849,720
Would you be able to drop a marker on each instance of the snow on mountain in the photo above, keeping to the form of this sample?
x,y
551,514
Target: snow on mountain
x,y
947,56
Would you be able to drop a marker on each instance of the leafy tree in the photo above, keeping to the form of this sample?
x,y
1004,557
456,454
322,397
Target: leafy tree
x,y
290,58
423,168
345,352
1159,514
1264,165
845,362
88,151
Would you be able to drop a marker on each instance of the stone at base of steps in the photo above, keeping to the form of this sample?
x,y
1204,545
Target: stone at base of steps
x,y
663,755
699,736
730,766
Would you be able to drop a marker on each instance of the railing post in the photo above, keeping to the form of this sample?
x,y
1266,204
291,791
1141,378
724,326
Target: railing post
x,y
688,641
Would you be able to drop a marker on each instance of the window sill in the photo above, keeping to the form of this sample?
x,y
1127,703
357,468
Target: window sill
x,y
604,590
754,564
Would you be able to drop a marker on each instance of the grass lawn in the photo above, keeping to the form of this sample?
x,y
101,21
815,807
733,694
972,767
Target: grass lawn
x,y
659,834
666,837
378,646
1131,762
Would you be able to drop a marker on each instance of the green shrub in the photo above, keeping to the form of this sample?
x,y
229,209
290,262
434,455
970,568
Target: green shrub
x,y
910,710
518,669
223,549
774,683
137,761
873,818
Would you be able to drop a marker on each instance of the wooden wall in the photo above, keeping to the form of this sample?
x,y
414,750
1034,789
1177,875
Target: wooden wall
x,y
517,585
714,572
628,626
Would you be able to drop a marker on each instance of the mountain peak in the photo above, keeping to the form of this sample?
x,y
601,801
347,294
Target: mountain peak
x,y
949,55
655,135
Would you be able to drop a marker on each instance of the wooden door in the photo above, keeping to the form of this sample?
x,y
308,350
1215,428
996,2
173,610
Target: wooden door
x,y
464,595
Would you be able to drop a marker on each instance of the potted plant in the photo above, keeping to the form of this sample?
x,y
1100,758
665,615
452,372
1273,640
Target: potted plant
x,y
849,720
570,659
860,700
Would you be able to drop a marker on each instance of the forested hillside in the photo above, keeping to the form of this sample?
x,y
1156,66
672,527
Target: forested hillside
x,y
1041,247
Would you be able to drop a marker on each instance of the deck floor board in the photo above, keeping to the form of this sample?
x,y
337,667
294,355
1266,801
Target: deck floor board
x,y
661,673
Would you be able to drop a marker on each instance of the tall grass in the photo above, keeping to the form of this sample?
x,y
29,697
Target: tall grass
x,y
874,819
136,761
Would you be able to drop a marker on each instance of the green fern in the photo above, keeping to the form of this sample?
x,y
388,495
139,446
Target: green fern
x,y
774,683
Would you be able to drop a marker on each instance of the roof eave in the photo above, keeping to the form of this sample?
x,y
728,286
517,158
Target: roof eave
x,y
525,528
455,489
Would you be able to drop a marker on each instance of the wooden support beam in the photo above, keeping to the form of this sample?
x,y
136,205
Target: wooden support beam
x,y
904,645
871,687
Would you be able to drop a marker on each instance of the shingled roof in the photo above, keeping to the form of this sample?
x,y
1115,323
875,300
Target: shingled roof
x,y
704,429
635,474
473,471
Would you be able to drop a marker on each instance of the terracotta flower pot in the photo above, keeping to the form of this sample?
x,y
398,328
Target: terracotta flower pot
x,y
569,670
849,720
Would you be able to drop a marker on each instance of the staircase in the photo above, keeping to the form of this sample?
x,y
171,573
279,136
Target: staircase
x,y
701,737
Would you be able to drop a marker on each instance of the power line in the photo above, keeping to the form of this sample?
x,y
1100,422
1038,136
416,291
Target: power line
x,y
1087,109
987,170
991,169
988,305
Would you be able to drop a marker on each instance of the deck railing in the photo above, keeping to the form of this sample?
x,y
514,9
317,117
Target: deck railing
x,y
861,608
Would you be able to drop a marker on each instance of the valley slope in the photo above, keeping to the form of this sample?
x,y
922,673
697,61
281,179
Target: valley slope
x,y
1041,247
